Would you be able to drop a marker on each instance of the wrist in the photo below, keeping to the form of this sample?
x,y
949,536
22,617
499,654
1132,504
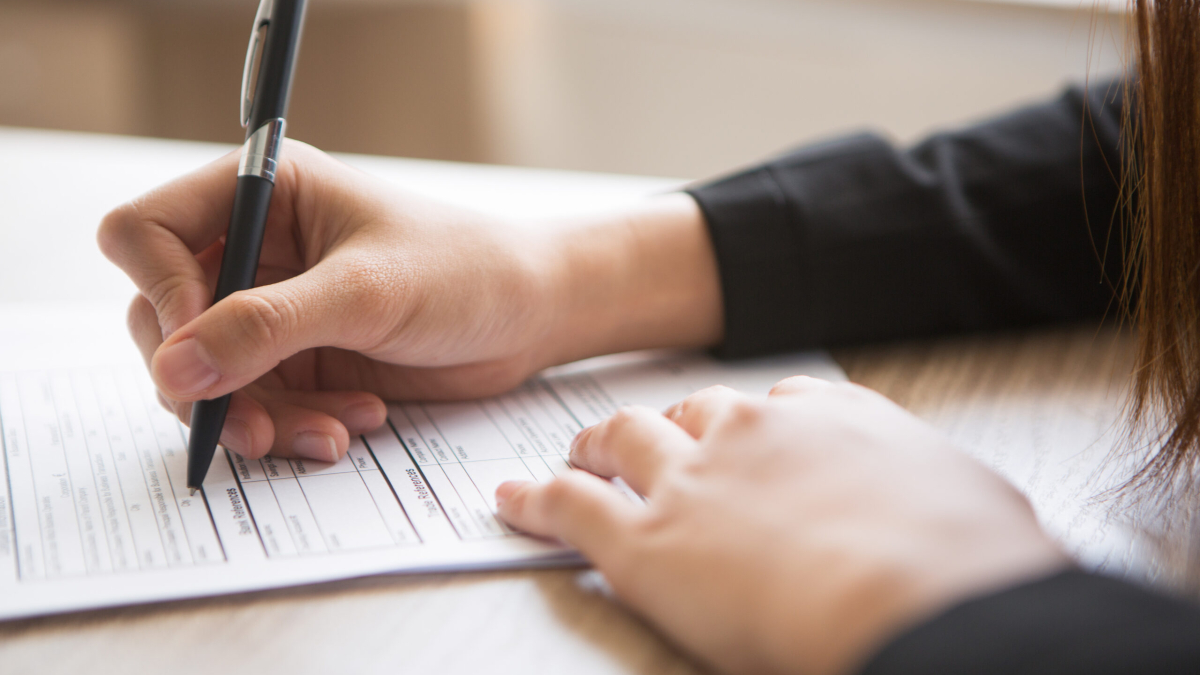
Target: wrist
x,y
642,279
904,597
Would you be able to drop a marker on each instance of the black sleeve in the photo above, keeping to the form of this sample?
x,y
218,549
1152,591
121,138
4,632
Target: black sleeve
x,y
1069,624
1002,224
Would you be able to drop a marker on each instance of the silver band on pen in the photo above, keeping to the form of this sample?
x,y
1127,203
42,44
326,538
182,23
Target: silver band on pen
x,y
260,153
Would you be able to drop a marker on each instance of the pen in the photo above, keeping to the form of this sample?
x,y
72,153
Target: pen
x,y
276,36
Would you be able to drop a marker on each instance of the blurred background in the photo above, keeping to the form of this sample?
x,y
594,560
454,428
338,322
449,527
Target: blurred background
x,y
683,88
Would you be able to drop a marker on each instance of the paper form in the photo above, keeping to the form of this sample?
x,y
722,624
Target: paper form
x,y
1056,450
94,510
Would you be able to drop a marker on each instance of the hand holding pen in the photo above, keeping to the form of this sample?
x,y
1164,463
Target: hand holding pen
x,y
277,27
367,293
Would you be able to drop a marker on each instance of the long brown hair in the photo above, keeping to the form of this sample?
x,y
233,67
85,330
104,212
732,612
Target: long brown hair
x,y
1163,280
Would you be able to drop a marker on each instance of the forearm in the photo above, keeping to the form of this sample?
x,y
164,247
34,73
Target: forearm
x,y
640,279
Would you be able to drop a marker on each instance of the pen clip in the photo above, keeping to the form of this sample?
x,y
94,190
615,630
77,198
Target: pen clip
x,y
262,19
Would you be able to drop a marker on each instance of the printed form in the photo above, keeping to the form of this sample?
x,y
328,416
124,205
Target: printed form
x,y
94,510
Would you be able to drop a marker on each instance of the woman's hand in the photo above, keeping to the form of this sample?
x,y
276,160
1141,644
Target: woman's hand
x,y
794,534
365,292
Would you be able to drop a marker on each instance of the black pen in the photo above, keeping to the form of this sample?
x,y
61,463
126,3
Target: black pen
x,y
277,27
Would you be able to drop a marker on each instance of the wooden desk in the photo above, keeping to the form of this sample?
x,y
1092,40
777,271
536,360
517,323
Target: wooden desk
x,y
511,622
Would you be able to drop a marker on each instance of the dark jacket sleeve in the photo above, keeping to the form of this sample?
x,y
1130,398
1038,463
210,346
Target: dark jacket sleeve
x,y
1007,223
1069,624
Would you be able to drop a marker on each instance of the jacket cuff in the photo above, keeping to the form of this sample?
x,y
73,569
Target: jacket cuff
x,y
1072,622
758,251
768,256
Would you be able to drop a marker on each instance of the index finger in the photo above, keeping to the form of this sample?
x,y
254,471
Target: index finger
x,y
636,444
576,507
798,385
697,412
155,238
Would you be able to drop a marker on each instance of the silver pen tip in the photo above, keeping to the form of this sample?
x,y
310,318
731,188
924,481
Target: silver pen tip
x,y
193,490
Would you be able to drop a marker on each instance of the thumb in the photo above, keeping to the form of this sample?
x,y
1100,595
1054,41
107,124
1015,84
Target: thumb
x,y
245,335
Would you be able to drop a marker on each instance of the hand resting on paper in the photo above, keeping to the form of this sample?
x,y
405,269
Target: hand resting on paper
x,y
366,292
794,534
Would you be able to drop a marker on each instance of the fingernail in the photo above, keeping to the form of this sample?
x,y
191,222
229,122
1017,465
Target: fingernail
x,y
361,417
579,438
316,446
506,490
186,368
236,436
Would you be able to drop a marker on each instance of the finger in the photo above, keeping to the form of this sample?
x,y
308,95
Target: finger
x,y
580,509
250,332
249,430
293,424
143,326
304,433
798,385
695,413
155,238
358,411
147,336
345,369
636,443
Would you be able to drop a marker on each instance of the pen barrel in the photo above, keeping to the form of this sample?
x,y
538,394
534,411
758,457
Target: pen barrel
x,y
243,243
239,266
251,202
203,437
274,84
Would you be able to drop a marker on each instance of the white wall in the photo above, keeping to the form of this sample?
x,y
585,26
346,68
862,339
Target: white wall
x,y
693,87
684,88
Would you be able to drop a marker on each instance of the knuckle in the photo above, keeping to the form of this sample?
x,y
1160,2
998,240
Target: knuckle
x,y
714,390
261,317
139,312
744,412
624,416
558,492
167,293
622,422
115,228
706,399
